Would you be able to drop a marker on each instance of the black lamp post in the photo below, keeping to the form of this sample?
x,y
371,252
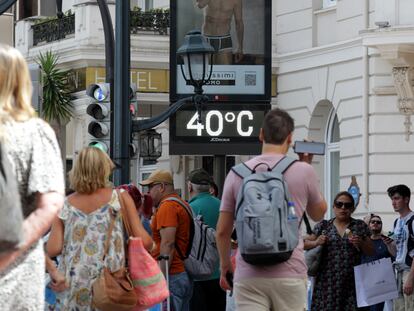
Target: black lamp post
x,y
196,67
150,145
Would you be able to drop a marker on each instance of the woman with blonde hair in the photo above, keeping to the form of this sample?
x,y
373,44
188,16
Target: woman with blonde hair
x,y
35,156
79,234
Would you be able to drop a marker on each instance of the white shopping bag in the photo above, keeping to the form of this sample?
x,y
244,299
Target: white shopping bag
x,y
375,282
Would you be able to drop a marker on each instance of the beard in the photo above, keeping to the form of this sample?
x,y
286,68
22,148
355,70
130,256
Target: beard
x,y
376,231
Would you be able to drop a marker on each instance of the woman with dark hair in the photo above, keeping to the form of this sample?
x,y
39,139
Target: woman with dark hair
x,y
345,240
143,204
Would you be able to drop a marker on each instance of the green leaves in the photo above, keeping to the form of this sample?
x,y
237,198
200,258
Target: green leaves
x,y
57,100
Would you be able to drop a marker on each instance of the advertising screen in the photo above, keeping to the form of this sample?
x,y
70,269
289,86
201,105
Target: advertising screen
x,y
240,33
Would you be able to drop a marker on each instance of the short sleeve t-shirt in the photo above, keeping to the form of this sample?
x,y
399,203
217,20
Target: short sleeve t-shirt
x,y
401,236
304,188
172,214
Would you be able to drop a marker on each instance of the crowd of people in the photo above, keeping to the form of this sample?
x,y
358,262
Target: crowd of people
x,y
65,236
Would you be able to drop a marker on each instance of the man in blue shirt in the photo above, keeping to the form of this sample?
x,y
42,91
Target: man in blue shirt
x,y
403,246
207,294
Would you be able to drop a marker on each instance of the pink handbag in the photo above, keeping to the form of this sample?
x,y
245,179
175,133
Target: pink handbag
x,y
148,280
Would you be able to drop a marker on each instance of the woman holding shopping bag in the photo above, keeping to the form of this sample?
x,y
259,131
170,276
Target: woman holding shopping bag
x,y
346,239
80,232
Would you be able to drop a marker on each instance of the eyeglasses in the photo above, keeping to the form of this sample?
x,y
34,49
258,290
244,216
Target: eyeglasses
x,y
153,185
345,205
377,222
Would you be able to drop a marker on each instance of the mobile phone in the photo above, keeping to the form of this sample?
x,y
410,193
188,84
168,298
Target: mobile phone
x,y
385,237
309,147
229,278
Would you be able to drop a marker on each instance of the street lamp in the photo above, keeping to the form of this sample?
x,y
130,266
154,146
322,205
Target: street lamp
x,y
150,145
197,60
196,67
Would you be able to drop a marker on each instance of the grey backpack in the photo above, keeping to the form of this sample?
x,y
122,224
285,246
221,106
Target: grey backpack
x,y
201,258
266,224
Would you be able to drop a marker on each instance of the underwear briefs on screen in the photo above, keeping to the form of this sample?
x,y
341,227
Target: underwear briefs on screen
x,y
220,43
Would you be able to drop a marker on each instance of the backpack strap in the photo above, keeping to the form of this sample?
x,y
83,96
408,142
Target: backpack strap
x,y
188,209
307,224
410,241
241,170
283,165
395,223
190,213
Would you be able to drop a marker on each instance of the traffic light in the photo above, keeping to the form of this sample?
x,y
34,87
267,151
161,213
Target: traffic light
x,y
99,109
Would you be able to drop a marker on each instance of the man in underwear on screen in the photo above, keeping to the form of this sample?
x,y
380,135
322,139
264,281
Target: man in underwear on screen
x,y
218,16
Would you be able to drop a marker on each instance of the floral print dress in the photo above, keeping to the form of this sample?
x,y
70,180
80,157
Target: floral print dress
x,y
334,287
81,260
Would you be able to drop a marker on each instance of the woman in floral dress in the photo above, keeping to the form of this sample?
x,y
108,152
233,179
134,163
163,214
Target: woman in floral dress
x,y
35,158
80,232
344,239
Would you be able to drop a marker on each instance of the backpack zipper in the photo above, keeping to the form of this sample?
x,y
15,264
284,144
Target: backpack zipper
x,y
262,181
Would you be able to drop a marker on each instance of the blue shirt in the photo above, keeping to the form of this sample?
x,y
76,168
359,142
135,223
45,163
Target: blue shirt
x,y
381,251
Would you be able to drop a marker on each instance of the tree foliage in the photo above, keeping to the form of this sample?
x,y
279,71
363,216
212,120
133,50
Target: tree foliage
x,y
57,100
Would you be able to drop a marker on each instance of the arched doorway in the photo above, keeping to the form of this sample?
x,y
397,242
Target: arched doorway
x,y
324,127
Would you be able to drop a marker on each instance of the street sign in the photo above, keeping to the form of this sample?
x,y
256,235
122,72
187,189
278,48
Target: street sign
x,y
225,129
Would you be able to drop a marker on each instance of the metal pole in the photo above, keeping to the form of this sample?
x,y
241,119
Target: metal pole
x,y
219,172
59,12
122,117
109,63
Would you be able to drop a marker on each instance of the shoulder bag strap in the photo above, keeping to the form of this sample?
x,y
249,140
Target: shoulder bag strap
x,y
109,234
124,214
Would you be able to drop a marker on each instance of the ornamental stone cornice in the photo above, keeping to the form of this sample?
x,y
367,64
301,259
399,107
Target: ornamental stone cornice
x,y
396,45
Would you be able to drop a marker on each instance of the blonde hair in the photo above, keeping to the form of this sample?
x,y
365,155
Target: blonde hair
x,y
91,171
15,85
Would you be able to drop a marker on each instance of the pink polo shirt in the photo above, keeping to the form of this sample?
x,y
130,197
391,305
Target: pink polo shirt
x,y
304,188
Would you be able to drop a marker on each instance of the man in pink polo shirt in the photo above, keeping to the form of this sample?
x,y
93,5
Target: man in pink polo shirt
x,y
281,286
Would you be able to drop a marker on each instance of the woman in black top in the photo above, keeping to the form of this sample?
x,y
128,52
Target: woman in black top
x,y
346,239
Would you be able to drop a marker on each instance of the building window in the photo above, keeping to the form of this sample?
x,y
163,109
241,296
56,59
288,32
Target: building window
x,y
27,8
149,5
328,3
146,167
332,176
208,164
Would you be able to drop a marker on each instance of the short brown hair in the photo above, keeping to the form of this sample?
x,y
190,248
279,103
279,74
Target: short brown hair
x,y
91,171
277,125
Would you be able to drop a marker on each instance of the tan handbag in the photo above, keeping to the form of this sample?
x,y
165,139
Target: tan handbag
x,y
113,290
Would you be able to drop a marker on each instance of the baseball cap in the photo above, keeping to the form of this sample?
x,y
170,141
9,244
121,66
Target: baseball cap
x,y
200,177
158,176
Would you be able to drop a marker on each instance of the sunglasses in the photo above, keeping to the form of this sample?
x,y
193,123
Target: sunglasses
x,y
153,185
345,205
377,222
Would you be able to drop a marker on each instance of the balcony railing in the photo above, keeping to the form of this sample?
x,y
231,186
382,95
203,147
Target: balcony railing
x,y
158,22
57,29
53,30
